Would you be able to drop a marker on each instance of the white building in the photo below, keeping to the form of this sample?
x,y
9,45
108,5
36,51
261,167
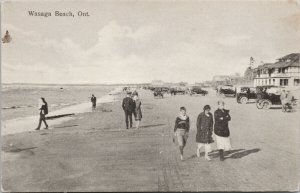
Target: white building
x,y
284,72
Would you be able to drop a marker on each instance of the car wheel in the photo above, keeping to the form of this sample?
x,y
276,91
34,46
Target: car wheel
x,y
266,104
243,100
259,104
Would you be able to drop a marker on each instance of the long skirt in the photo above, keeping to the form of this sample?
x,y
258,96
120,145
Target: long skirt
x,y
223,143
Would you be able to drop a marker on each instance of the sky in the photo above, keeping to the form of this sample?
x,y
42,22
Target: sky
x,y
133,41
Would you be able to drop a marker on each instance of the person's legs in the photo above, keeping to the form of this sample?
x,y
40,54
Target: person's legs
x,y
207,150
220,146
221,152
40,123
199,145
130,119
180,143
184,139
126,118
138,124
44,120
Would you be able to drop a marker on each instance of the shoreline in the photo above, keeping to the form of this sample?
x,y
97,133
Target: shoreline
x,y
25,124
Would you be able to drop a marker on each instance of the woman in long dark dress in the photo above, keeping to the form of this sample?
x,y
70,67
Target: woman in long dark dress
x,y
43,107
204,131
137,111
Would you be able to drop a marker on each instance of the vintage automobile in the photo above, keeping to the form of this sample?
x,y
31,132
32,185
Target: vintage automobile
x,y
245,94
268,96
177,90
158,93
226,91
198,90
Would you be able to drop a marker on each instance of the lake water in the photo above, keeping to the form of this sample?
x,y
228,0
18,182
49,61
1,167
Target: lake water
x,y
22,100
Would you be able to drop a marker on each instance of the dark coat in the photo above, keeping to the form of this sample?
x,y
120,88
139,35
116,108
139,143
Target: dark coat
x,y
128,104
138,111
221,123
44,109
204,128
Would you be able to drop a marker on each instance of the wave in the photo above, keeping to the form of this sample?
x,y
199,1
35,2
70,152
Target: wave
x,y
31,106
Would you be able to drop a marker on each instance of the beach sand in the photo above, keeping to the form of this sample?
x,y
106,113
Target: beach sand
x,y
94,151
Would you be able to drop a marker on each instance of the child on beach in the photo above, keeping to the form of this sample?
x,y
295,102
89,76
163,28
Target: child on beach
x,y
204,131
181,129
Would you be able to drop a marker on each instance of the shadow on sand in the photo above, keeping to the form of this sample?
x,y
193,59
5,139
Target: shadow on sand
x,y
16,150
156,125
232,154
243,153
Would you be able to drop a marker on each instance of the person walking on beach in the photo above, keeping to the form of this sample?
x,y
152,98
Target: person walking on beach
x,y
43,107
283,97
221,129
204,131
94,101
181,129
137,111
128,106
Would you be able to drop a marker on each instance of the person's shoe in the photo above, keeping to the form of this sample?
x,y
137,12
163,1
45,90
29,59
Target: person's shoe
x,y
46,127
207,158
181,157
37,129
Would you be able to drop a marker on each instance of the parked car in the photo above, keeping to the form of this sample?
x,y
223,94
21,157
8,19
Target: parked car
x,y
244,94
268,96
226,91
158,92
198,90
177,90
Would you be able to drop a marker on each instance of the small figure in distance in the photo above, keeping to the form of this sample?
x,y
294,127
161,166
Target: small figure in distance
x,y
128,106
43,107
94,102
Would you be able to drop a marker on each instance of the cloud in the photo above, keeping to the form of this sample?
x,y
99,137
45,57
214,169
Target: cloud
x,y
233,40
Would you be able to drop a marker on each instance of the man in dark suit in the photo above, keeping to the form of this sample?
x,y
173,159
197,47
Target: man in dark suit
x,y
128,106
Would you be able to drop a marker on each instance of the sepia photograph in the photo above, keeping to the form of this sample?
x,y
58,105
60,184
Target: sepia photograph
x,y
150,95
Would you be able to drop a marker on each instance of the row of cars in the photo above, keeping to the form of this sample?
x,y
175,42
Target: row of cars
x,y
264,96
194,90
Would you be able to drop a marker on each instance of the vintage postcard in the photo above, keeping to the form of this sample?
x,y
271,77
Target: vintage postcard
x,y
150,95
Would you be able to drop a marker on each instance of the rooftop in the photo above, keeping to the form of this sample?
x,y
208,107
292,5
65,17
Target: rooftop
x,y
291,60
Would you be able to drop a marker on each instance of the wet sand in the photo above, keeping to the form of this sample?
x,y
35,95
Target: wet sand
x,y
94,152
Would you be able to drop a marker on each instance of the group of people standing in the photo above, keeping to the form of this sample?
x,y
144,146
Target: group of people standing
x,y
131,104
206,125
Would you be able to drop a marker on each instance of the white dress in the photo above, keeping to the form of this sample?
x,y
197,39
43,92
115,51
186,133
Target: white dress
x,y
223,143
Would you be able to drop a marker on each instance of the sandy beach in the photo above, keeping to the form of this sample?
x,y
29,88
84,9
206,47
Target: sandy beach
x,y
94,151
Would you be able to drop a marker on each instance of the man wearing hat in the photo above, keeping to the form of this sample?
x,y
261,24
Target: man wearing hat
x,y
128,106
